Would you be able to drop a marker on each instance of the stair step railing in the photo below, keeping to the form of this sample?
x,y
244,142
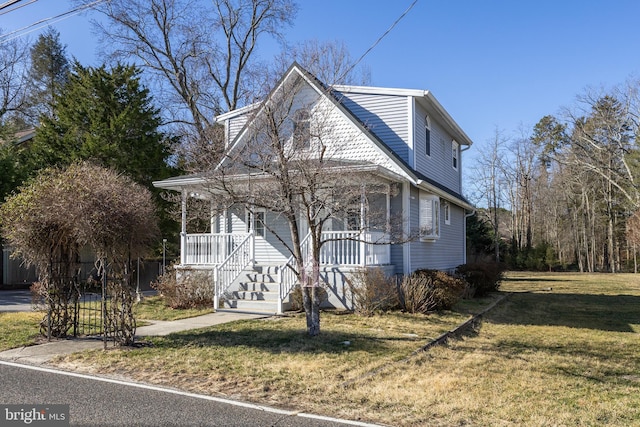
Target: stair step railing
x,y
288,273
230,269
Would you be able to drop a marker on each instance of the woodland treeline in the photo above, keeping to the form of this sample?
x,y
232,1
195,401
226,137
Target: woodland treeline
x,y
566,194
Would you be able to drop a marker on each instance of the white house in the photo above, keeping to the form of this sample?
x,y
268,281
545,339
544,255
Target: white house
x,y
404,138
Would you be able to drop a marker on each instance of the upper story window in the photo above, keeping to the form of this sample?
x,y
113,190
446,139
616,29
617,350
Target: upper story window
x,y
454,154
302,128
427,135
429,216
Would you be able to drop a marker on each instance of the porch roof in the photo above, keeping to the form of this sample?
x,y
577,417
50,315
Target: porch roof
x,y
199,181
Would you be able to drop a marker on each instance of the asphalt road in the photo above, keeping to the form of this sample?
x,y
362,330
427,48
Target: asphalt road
x,y
96,401
15,300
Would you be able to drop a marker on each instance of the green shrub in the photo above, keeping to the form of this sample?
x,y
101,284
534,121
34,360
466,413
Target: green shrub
x,y
481,278
187,289
429,290
371,291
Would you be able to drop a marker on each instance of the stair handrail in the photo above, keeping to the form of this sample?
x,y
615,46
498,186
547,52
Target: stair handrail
x,y
288,275
223,276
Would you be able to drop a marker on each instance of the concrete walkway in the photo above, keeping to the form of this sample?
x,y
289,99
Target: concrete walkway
x,y
43,353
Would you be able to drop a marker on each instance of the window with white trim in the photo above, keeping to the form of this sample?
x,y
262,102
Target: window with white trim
x,y
255,221
427,136
302,128
454,154
447,213
429,216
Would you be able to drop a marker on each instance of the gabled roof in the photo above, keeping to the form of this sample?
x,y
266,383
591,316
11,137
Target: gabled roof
x,y
418,178
424,97
333,94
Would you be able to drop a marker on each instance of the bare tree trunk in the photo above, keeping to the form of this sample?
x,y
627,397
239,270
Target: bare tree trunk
x,y
311,298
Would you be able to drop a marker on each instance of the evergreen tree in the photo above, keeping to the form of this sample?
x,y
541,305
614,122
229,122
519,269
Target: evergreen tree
x,y
48,74
105,116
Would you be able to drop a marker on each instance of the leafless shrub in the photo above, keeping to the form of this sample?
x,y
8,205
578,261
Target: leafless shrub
x,y
429,290
372,291
189,289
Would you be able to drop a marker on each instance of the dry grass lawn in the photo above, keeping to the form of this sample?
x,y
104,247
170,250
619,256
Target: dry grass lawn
x,y
561,350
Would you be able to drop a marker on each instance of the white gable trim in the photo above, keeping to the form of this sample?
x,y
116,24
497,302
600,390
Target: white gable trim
x,y
411,127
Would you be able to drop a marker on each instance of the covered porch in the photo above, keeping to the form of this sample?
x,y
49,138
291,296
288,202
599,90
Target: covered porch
x,y
245,242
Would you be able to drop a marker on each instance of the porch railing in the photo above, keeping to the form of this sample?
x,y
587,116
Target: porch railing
x,y
228,271
341,248
355,248
210,249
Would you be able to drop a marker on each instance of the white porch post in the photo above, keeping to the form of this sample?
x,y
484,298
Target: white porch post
x,y
388,225
212,218
363,236
216,297
183,230
406,220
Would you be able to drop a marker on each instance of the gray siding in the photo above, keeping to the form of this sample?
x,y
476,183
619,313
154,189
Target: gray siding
x,y
269,249
448,251
439,165
384,115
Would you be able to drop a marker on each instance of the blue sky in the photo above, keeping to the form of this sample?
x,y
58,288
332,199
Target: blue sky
x,y
493,64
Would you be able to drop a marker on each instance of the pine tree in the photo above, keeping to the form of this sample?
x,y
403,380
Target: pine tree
x,y
48,74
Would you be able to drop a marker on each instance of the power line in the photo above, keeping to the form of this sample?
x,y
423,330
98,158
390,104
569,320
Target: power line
x,y
15,8
47,21
9,3
379,39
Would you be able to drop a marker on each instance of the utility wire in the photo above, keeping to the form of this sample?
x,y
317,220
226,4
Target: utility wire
x,y
379,40
15,8
9,3
43,22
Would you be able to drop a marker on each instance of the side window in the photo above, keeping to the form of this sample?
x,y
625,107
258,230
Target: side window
x,y
429,216
427,135
447,213
454,154
302,128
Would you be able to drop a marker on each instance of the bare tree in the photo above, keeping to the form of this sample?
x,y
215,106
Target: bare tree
x,y
199,54
14,59
294,165
329,61
491,182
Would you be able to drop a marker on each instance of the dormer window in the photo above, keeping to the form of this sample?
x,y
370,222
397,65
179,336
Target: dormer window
x,y
427,135
302,128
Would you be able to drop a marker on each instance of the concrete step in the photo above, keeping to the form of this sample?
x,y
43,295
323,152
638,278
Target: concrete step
x,y
259,286
254,276
254,295
252,305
